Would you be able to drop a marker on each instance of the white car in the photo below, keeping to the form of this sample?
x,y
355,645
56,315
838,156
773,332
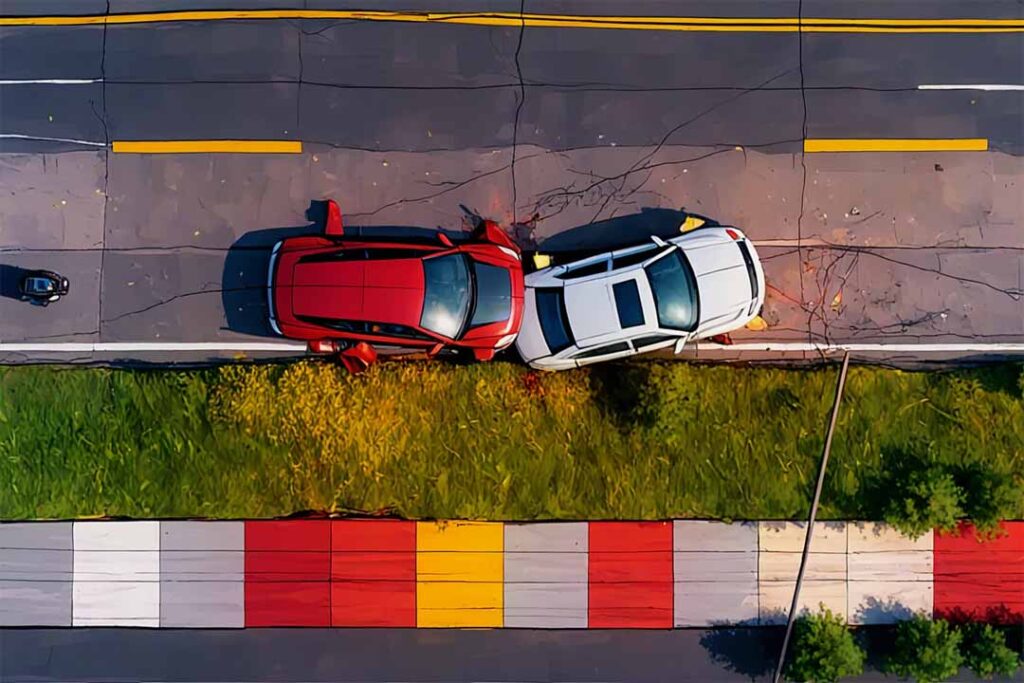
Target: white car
x,y
642,298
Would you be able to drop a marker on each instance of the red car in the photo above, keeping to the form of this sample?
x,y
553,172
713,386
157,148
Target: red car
x,y
406,293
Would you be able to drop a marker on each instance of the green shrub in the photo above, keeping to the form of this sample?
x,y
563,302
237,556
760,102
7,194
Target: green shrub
x,y
926,650
920,495
986,653
823,649
990,495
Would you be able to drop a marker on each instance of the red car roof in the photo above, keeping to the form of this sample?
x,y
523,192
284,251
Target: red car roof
x,y
317,281
385,291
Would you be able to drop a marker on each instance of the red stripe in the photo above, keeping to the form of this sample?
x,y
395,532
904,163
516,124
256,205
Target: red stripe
x,y
373,573
980,580
630,575
287,573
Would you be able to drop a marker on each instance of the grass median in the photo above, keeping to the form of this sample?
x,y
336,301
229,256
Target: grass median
x,y
495,441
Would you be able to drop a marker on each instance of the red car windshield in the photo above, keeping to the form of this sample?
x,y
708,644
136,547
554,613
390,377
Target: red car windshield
x,y
458,289
447,295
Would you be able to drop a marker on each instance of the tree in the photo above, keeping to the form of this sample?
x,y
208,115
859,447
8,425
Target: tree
x,y
925,650
986,653
823,649
921,496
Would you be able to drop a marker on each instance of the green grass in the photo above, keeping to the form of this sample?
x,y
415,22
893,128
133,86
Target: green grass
x,y
485,441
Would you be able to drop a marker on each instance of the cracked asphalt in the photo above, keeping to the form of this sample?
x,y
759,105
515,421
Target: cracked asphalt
x,y
603,134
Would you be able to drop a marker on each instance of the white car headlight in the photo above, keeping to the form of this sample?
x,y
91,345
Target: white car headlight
x,y
505,341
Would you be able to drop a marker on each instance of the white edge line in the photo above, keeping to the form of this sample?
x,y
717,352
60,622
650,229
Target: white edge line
x,y
19,136
769,347
798,347
123,347
975,86
52,81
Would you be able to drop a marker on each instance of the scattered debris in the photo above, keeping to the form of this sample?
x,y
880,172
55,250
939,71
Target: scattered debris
x,y
837,300
691,223
938,167
723,339
854,211
758,324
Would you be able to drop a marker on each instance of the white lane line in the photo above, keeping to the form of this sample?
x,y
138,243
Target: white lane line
x,y
922,349
146,347
52,81
19,136
975,86
293,347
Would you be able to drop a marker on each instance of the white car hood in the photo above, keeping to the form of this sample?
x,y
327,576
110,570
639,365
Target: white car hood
x,y
722,280
591,309
530,343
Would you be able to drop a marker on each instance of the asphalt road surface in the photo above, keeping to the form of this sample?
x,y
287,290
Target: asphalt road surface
x,y
393,655
605,133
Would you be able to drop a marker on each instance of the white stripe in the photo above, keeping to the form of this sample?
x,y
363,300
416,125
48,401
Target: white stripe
x,y
920,349
19,136
52,81
143,347
975,86
293,347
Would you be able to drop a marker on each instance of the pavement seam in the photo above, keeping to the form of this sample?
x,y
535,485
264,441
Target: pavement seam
x,y
803,166
519,107
106,176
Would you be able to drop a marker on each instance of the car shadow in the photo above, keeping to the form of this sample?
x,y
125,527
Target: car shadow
x,y
620,232
244,278
10,279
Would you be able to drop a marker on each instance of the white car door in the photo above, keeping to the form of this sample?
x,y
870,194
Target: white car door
x,y
605,352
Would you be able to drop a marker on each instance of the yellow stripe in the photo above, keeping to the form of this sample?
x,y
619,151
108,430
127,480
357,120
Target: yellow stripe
x,y
459,574
896,145
743,25
207,146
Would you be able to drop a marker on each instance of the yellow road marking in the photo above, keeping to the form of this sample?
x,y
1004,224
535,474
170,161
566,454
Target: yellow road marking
x,y
459,574
207,146
743,25
897,145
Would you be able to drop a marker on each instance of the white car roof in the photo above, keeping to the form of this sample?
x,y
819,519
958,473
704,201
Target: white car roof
x,y
723,287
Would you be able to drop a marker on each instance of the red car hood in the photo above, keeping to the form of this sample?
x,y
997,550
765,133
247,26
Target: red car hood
x,y
381,291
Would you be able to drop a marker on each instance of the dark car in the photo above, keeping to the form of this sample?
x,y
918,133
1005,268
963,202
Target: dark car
x,y
42,287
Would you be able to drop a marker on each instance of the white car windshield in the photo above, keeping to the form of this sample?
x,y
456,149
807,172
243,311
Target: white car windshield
x,y
675,292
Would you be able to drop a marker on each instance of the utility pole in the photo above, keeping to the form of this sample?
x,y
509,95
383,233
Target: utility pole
x,y
814,513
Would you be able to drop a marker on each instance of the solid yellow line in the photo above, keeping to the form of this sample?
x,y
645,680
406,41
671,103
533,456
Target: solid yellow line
x,y
207,146
735,24
897,145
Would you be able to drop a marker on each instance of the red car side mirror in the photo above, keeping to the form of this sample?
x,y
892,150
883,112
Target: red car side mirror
x,y
444,239
492,232
358,358
434,350
334,226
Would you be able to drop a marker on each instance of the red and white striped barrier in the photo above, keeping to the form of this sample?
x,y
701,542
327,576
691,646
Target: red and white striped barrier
x,y
386,573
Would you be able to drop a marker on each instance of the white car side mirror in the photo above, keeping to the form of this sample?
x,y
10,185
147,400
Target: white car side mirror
x,y
657,240
680,343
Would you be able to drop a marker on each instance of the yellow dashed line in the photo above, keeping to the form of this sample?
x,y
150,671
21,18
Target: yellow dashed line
x,y
742,25
896,145
207,146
